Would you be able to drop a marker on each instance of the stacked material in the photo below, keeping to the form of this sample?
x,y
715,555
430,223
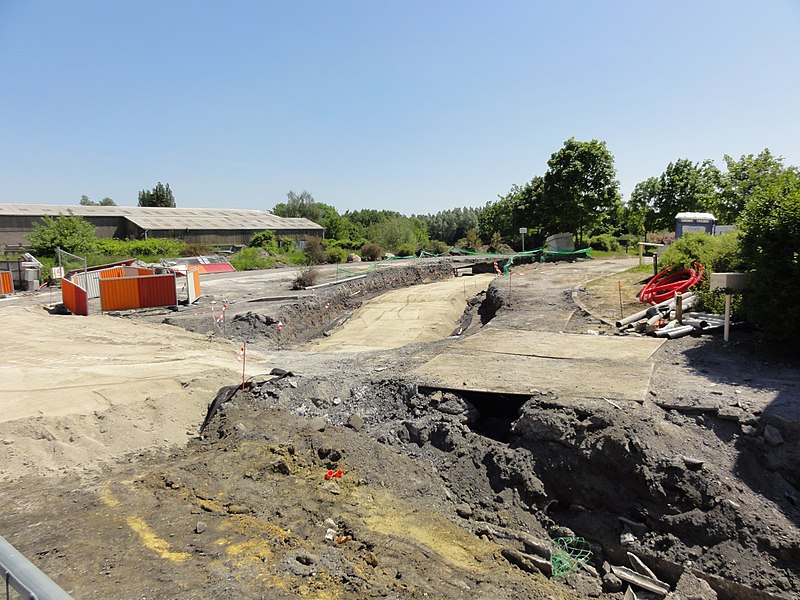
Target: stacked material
x,y
668,319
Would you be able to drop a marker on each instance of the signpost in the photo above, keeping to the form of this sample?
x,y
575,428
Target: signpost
x,y
523,231
728,283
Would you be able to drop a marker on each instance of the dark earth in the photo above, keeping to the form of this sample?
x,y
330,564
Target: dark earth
x,y
441,494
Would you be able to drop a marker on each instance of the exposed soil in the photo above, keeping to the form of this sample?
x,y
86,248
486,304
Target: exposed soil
x,y
441,494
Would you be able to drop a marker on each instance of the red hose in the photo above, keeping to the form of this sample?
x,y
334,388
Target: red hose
x,y
665,285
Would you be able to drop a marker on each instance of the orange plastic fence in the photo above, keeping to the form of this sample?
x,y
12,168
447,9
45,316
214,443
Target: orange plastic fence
x,y
6,283
74,297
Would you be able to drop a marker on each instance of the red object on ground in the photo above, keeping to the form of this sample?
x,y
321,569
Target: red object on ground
x,y
331,474
665,285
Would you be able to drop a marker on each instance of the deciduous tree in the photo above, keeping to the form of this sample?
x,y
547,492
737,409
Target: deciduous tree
x,y
160,196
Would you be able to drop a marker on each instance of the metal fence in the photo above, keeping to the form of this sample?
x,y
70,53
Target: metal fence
x,y
22,576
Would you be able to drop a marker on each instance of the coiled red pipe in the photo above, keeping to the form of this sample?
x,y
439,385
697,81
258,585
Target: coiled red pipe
x,y
666,284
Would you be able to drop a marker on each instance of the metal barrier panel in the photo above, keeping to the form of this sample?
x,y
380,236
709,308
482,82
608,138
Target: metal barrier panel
x,y
119,293
194,285
74,297
112,272
6,283
157,290
88,281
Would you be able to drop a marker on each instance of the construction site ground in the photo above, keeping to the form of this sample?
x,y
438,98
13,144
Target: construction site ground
x,y
409,434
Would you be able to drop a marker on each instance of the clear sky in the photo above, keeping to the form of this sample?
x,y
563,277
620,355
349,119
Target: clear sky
x,y
415,106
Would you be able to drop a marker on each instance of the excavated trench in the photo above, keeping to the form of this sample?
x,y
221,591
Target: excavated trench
x,y
556,467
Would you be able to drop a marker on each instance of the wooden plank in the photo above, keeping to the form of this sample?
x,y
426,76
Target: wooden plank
x,y
562,345
513,374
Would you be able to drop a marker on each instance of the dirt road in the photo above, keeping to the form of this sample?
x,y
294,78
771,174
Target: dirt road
x,y
422,313
441,494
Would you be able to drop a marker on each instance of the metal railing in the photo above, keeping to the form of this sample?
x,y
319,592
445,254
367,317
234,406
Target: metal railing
x,y
25,578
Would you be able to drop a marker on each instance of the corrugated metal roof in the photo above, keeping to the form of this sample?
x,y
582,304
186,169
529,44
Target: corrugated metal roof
x,y
168,218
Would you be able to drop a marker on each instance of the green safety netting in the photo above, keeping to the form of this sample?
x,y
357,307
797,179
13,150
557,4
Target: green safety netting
x,y
569,553
541,252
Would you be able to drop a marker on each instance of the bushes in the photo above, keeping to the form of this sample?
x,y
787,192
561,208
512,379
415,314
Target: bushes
x,y
716,254
770,241
306,277
436,247
604,242
265,240
314,250
68,232
152,247
371,251
250,259
407,250
335,255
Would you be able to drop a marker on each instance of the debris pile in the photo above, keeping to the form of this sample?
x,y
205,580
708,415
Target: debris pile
x,y
667,319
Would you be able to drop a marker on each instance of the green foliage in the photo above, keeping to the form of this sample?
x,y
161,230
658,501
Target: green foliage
x,y
495,242
394,232
604,242
368,216
265,240
68,232
335,255
104,202
521,207
743,179
160,196
450,225
252,258
770,245
371,251
160,247
436,247
314,250
407,250
471,241
581,191
196,249
716,254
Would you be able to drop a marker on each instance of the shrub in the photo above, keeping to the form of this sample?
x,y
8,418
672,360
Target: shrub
x,y
335,255
406,250
770,241
68,232
306,277
249,259
371,251
314,250
436,247
495,242
266,240
716,254
196,249
160,247
604,242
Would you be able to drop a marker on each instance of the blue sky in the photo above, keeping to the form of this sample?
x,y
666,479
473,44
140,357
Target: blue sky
x,y
415,106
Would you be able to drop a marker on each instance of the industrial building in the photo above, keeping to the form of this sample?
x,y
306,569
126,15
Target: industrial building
x,y
214,226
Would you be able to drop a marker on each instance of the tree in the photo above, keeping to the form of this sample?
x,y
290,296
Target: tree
x,y
638,215
104,202
684,186
581,190
398,231
160,197
743,179
770,226
300,205
68,232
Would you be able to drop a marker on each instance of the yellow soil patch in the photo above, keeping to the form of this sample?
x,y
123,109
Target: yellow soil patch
x,y
153,542
453,545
